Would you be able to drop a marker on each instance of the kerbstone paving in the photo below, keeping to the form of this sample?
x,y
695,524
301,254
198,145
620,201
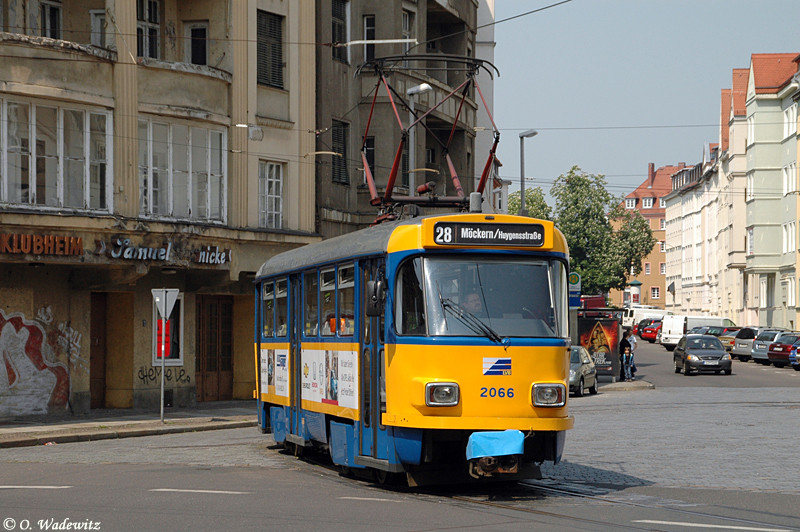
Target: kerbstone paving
x,y
685,437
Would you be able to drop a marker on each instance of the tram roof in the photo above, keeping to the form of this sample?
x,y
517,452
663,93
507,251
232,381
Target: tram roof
x,y
364,242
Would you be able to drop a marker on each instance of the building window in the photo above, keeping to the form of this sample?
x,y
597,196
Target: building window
x,y
270,195
630,203
369,35
749,193
655,292
170,331
51,18
751,130
407,29
369,153
195,46
55,156
790,121
663,246
647,268
269,49
790,178
339,34
182,171
147,28
98,22
341,133
662,224
647,203
661,203
749,238
662,268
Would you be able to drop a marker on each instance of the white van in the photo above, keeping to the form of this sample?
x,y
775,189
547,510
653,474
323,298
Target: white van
x,y
674,327
633,315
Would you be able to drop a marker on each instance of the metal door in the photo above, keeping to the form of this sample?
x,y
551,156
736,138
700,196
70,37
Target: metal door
x,y
370,372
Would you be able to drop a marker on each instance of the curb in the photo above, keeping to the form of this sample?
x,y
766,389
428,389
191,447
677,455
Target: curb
x,y
82,435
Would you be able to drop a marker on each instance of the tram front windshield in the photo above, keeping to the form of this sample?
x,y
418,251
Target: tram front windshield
x,y
480,296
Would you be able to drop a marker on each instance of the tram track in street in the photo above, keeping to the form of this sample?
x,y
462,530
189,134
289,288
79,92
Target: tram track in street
x,y
578,493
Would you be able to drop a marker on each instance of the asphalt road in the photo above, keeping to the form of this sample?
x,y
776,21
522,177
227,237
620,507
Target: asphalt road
x,y
695,452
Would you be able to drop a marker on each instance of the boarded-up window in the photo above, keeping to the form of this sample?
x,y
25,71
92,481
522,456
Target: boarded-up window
x,y
269,49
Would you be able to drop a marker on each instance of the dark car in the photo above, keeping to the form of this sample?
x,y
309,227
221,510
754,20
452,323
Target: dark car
x,y
639,327
794,359
778,351
650,332
582,373
701,353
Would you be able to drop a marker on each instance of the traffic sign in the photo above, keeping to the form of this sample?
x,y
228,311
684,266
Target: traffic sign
x,y
574,282
165,299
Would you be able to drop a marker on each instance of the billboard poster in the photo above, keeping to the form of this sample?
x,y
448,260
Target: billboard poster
x,y
601,339
275,371
330,377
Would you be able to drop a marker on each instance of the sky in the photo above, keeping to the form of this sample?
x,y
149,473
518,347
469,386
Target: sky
x,y
612,85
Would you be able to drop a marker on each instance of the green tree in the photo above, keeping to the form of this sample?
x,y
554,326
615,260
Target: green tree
x,y
535,204
604,240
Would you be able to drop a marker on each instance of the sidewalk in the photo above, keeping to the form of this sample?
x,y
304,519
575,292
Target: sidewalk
x,y
125,423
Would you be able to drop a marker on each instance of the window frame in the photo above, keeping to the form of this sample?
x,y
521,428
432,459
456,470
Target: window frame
x,y
369,35
27,152
270,58
47,8
148,18
647,203
212,202
655,292
269,218
630,203
340,30
340,133
97,20
188,41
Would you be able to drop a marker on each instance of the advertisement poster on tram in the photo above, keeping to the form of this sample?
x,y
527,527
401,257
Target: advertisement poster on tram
x,y
275,371
330,377
599,333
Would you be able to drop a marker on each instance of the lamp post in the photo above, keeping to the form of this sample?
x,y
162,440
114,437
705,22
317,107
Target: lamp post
x,y
412,143
522,136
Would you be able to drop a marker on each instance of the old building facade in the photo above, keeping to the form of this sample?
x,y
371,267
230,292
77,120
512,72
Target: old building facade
x,y
145,145
432,28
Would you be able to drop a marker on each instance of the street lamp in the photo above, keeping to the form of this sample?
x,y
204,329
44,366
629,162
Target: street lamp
x,y
522,137
412,145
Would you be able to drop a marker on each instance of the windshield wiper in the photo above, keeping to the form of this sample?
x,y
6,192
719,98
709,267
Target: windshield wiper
x,y
470,320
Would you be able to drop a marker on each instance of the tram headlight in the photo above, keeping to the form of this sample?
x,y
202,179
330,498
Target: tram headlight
x,y
549,394
441,394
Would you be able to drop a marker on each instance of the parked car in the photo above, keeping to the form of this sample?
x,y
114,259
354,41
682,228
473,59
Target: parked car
x,y
778,351
794,359
639,327
582,373
650,332
701,353
743,342
762,342
726,336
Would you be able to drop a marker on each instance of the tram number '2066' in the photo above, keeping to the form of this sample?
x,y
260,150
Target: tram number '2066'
x,y
497,392
443,235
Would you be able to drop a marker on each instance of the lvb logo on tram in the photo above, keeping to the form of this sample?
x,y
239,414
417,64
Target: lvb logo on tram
x,y
496,366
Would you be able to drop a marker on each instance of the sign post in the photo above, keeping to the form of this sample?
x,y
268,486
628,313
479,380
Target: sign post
x,y
165,299
574,290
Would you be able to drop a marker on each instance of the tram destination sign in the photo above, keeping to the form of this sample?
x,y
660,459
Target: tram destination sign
x,y
488,234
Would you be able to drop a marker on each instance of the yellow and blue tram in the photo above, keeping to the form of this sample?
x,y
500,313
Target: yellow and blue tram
x,y
435,346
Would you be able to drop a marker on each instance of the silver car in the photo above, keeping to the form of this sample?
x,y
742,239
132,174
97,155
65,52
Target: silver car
x,y
743,342
761,344
582,373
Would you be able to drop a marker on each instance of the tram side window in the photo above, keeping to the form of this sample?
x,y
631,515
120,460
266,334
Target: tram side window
x,y
268,307
347,300
310,291
281,308
327,291
409,304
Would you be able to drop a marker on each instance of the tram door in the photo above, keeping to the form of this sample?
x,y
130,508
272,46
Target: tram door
x,y
370,372
295,321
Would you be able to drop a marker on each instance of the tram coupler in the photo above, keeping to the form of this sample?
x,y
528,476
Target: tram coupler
x,y
494,452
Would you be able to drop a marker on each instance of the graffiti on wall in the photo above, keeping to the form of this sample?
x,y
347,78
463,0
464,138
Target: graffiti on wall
x,y
149,375
32,379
